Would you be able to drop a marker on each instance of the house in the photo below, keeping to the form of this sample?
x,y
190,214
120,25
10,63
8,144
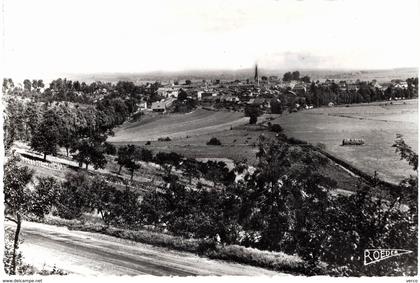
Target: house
x,y
163,105
401,85
328,83
142,105
342,85
375,84
159,106
299,89
229,98
204,94
167,92
352,87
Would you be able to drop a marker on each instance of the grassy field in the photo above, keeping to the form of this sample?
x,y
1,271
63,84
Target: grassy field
x,y
197,122
238,143
190,132
376,123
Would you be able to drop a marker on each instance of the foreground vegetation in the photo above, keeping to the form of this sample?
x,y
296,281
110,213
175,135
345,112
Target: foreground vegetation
x,y
285,205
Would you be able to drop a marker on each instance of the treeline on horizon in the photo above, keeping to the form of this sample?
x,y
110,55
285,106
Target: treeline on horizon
x,y
316,93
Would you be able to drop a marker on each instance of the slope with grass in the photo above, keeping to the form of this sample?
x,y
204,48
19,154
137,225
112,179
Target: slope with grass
x,y
376,123
197,122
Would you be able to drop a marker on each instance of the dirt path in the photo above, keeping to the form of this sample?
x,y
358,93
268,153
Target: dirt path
x,y
95,254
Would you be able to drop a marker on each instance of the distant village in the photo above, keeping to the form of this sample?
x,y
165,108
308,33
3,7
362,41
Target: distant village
x,y
274,94
270,94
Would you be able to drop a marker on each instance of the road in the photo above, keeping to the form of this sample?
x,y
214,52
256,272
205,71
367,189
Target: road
x,y
96,254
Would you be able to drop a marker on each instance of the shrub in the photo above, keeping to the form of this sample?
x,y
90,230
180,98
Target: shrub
x,y
136,117
276,128
164,139
321,146
214,141
147,143
253,112
253,120
74,195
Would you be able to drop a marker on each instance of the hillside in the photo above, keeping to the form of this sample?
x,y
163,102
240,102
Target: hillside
x,y
178,125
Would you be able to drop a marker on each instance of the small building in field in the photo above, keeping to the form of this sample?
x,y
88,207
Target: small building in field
x,y
163,105
353,142
158,106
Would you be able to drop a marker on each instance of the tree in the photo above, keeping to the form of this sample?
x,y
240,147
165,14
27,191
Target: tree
x,y
32,118
75,196
306,79
182,95
46,136
125,155
168,161
276,106
14,124
35,85
132,166
91,150
190,168
253,112
27,85
21,201
76,86
287,77
276,128
295,75
103,198
217,172
405,152
125,207
40,84
8,85
67,129
129,154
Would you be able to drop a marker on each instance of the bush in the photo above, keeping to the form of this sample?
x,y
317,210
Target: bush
x,y
136,117
253,112
164,139
214,141
74,196
276,128
147,143
321,146
253,120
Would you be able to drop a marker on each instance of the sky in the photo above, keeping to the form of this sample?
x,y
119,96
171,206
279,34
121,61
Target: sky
x,y
52,37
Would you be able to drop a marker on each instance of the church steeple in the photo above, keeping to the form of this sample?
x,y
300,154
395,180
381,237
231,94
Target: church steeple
x,y
256,78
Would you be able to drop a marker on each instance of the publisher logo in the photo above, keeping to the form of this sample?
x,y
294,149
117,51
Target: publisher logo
x,y
375,255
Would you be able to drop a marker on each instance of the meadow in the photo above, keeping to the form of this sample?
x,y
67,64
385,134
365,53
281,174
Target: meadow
x,y
376,123
198,122
239,143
